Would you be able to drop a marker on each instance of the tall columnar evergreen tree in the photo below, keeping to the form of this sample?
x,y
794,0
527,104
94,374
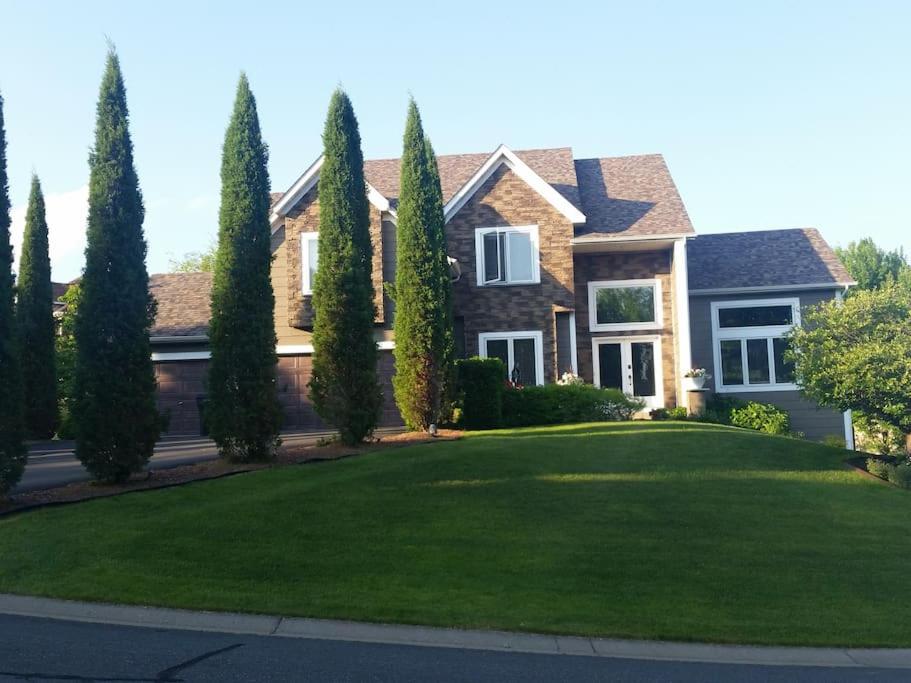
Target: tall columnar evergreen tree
x,y
35,315
114,408
243,413
12,449
423,318
344,385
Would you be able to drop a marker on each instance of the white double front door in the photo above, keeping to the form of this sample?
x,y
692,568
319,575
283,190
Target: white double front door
x,y
630,364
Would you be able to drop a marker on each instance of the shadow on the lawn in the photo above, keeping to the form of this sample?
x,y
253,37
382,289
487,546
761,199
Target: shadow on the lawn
x,y
612,429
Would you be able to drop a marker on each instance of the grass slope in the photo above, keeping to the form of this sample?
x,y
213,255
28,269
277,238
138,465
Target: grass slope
x,y
642,530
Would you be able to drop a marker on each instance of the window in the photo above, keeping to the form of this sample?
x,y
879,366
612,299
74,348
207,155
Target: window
x,y
521,353
309,260
507,256
749,343
624,305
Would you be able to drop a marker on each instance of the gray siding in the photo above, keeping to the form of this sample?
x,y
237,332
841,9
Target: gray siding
x,y
815,422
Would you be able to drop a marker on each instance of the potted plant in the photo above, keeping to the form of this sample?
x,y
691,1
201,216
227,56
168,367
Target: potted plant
x,y
694,379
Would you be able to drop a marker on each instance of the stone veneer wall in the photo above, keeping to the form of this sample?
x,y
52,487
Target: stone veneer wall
x,y
506,200
627,266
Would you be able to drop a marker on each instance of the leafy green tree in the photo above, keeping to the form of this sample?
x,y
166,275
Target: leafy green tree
x,y
344,386
195,261
117,423
856,354
35,317
12,448
243,413
423,315
870,265
65,344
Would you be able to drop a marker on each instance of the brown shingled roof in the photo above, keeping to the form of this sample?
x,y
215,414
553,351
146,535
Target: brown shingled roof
x,y
555,166
183,304
763,258
629,196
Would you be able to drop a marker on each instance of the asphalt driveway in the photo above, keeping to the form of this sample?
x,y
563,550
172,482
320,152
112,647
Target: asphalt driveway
x,y
52,463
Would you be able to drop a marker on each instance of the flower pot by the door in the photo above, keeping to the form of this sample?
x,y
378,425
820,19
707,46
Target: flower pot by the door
x,y
693,383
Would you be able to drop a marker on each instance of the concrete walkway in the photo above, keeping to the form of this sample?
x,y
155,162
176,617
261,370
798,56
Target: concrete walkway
x,y
287,627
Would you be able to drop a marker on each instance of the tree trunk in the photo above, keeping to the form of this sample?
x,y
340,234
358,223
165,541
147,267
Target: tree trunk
x,y
908,445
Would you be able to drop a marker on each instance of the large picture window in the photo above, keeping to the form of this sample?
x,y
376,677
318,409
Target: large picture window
x,y
309,260
624,305
507,256
521,353
748,337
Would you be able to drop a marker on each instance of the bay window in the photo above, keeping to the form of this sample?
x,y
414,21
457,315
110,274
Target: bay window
x,y
749,342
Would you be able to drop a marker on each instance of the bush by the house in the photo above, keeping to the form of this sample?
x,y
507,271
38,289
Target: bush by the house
x,y
718,409
678,413
879,467
480,388
562,404
896,471
763,417
876,436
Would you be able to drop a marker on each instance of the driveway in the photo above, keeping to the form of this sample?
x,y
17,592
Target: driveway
x,y
52,463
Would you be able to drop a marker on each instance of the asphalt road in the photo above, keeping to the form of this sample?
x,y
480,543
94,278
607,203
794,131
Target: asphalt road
x,y
48,650
53,463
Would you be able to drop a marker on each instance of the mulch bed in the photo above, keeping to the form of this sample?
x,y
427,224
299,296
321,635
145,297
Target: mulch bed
x,y
212,469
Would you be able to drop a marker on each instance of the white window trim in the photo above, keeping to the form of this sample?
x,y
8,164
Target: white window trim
x,y
595,326
532,231
659,364
537,335
306,240
769,332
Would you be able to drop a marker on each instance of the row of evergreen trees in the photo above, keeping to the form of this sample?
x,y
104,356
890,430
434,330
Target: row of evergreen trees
x,y
113,405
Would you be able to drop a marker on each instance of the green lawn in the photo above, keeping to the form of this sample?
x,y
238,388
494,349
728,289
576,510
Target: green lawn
x,y
641,530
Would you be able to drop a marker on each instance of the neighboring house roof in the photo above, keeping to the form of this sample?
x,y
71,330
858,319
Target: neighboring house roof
x,y
183,304
763,258
615,197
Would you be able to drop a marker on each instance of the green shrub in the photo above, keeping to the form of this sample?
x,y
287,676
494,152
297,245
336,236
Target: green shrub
x,y
875,436
678,413
900,475
763,417
879,467
480,389
563,404
718,409
834,440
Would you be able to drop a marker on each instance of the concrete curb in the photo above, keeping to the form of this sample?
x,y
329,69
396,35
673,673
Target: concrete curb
x,y
502,641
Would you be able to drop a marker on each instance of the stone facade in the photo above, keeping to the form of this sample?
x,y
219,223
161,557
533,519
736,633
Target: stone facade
x,y
507,200
627,266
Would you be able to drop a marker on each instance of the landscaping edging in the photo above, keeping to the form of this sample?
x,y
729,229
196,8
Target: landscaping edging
x,y
420,636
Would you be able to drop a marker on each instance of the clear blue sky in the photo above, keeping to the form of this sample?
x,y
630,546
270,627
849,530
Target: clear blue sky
x,y
773,114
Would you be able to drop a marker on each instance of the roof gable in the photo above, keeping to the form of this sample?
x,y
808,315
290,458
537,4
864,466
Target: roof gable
x,y
503,156
308,179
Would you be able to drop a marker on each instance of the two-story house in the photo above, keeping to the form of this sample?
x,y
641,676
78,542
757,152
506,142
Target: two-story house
x,y
559,264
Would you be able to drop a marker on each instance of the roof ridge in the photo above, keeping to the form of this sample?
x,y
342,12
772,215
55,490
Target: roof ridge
x,y
756,230
624,156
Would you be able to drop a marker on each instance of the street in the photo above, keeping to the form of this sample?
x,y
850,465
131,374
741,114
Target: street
x,y
53,463
49,650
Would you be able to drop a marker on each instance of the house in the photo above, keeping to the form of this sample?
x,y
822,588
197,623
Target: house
x,y
561,265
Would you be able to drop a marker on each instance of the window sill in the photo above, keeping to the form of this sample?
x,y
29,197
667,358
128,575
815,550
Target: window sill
x,y
755,388
497,285
627,327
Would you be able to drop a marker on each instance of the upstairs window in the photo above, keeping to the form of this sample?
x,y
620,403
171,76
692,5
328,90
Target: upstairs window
x,y
749,343
507,256
624,305
309,260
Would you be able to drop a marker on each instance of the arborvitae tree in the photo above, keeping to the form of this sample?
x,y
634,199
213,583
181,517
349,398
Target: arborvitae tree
x,y
243,413
344,386
35,315
12,449
423,319
114,409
